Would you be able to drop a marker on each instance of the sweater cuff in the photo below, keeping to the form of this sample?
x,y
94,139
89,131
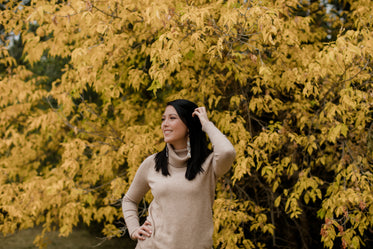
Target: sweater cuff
x,y
130,234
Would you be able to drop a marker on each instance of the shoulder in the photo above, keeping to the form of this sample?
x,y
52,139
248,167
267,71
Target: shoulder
x,y
149,161
150,158
145,167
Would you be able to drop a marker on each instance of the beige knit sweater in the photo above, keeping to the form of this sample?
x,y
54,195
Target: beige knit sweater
x,y
181,211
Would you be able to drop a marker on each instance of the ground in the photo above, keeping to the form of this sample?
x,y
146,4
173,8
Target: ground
x,y
79,239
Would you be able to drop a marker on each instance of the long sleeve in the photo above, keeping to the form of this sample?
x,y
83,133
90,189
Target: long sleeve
x,y
134,195
223,150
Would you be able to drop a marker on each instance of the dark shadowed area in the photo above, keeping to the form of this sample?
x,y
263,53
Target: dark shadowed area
x,y
79,239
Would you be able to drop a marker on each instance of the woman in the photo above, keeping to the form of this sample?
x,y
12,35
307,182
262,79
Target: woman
x,y
182,179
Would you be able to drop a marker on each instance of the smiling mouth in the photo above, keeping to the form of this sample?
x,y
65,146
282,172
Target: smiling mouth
x,y
166,132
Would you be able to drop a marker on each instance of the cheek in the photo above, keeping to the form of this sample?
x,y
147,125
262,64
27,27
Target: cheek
x,y
184,130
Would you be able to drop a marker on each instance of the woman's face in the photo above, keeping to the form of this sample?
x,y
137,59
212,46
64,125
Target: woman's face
x,y
175,132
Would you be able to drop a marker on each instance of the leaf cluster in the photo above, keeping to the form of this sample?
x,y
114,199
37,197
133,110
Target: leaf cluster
x,y
289,82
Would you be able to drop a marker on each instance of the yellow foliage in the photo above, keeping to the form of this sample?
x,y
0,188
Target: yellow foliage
x,y
289,82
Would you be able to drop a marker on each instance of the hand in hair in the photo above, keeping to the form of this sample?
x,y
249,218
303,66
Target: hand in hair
x,y
201,113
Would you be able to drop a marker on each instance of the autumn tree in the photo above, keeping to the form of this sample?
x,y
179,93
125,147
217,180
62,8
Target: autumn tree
x,y
289,82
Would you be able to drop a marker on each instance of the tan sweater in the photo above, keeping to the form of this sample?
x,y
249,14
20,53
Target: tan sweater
x,y
181,211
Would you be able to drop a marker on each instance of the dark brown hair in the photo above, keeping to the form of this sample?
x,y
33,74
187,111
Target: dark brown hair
x,y
198,141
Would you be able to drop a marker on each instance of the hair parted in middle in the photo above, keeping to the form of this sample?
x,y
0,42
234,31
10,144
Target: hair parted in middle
x,y
198,141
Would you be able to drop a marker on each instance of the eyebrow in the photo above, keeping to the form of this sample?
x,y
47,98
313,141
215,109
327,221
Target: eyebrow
x,y
171,114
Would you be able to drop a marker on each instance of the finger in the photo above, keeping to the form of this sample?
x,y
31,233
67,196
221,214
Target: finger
x,y
201,110
138,236
142,233
195,113
146,226
145,231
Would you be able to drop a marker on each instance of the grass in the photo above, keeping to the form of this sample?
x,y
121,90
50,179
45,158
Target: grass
x,y
79,239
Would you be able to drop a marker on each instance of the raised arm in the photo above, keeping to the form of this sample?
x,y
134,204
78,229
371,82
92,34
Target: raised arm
x,y
223,150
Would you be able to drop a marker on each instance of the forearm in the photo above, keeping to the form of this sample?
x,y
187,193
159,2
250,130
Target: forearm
x,y
224,152
134,195
130,214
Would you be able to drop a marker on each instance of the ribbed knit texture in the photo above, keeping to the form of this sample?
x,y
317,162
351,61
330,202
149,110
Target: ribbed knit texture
x,y
181,211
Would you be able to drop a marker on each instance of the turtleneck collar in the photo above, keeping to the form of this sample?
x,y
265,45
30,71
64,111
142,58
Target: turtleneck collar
x,y
177,158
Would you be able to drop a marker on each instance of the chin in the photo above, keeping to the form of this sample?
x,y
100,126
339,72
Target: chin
x,y
167,140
